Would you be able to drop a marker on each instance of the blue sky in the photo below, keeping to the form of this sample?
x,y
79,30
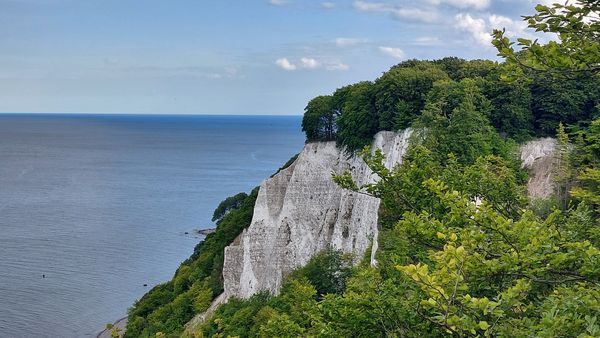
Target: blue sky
x,y
224,56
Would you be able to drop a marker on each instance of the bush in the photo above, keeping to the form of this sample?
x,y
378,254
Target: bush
x,y
327,271
167,307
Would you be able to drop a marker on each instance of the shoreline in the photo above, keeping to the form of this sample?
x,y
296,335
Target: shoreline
x,y
120,324
206,232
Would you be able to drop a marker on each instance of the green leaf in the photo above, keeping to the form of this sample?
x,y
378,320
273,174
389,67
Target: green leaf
x,y
484,325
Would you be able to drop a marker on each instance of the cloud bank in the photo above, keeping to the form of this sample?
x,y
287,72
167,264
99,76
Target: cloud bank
x,y
309,63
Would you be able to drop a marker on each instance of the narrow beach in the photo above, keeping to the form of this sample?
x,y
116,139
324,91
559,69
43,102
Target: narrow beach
x,y
120,324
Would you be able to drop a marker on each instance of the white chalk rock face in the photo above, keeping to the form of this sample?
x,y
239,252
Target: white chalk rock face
x,y
539,158
301,211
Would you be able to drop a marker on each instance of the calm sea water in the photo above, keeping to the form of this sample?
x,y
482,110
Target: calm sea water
x,y
100,206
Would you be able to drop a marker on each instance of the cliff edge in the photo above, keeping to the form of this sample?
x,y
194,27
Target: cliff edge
x,y
300,211
539,158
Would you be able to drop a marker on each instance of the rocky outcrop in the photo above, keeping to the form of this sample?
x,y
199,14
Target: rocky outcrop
x,y
539,157
301,211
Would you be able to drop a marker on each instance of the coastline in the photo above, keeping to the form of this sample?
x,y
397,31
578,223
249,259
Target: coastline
x,y
120,324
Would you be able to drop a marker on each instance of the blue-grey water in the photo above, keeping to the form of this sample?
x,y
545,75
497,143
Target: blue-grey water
x,y
100,206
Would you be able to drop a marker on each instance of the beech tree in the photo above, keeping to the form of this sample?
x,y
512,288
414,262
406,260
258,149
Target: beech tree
x,y
357,123
479,270
577,51
319,122
401,92
455,121
495,276
588,189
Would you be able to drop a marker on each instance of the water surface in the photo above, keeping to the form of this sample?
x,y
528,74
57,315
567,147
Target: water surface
x,y
100,206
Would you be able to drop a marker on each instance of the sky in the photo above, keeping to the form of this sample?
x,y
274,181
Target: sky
x,y
225,56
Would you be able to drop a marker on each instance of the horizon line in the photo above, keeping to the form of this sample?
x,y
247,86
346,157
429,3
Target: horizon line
x,y
142,114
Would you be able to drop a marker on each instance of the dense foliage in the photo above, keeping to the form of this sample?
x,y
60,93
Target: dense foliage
x,y
462,250
460,255
576,23
167,307
230,203
325,274
352,115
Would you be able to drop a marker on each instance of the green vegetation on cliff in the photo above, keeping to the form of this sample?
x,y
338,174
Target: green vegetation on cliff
x,y
199,280
352,115
447,267
462,251
447,264
167,307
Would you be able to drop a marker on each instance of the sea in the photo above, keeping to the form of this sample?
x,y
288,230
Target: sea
x,y
94,207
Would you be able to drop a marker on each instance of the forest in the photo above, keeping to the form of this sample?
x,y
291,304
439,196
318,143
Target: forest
x,y
507,266
409,91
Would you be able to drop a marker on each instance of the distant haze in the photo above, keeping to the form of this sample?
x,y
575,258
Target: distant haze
x,y
224,57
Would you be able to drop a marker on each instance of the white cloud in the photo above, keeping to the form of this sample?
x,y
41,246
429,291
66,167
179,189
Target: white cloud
x,y
231,72
364,6
427,41
476,27
394,52
428,15
476,4
278,2
480,29
342,42
309,63
200,72
227,73
328,5
284,63
416,14
338,66
513,28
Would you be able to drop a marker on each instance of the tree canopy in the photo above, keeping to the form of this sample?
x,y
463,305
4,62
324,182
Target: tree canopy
x,y
519,110
576,23
462,250
319,119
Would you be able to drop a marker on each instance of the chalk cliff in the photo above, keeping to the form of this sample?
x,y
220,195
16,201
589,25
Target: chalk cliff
x,y
538,158
301,211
